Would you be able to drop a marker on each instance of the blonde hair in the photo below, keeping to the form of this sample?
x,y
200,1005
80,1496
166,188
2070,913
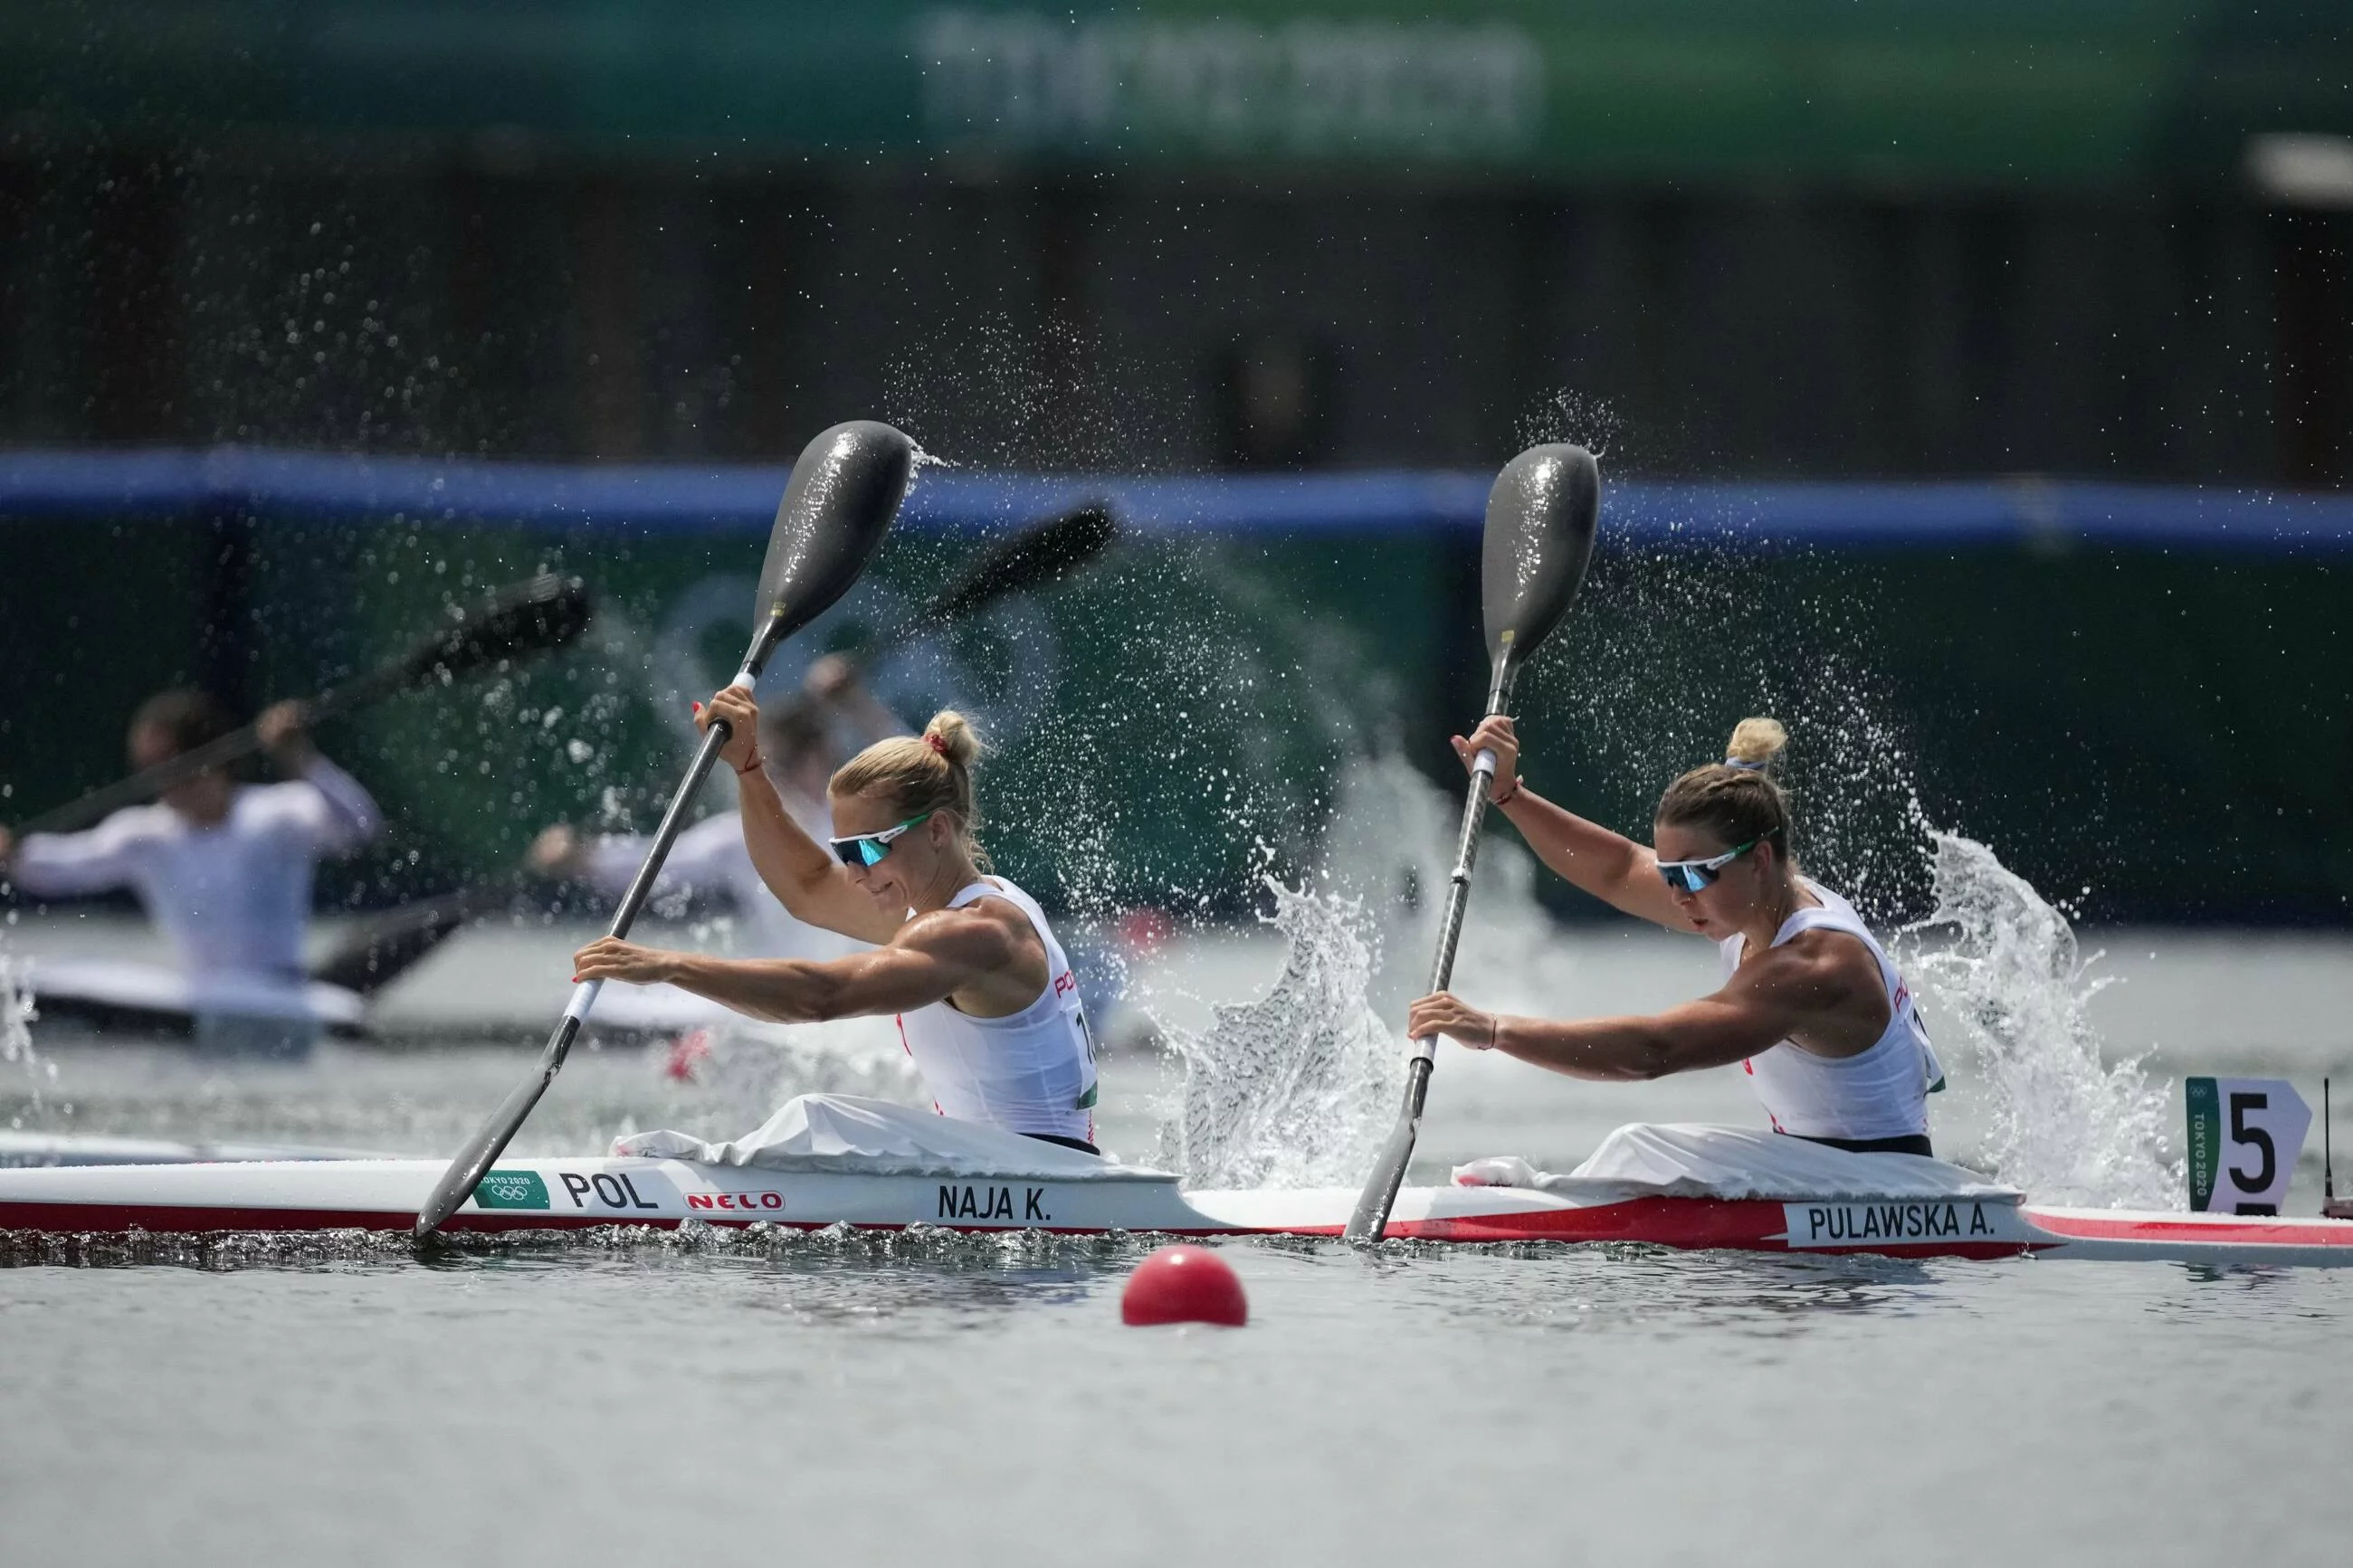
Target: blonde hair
x,y
916,773
1755,744
1736,800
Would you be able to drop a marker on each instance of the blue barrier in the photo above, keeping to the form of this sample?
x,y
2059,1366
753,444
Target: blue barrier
x,y
678,497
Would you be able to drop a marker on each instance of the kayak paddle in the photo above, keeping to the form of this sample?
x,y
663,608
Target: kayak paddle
x,y
844,492
534,616
1039,556
1539,535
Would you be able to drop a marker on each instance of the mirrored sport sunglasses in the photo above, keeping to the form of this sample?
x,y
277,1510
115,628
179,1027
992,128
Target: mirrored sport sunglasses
x,y
1691,876
868,849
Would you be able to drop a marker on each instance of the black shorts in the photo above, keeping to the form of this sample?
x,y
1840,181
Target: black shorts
x,y
1912,1143
1081,1145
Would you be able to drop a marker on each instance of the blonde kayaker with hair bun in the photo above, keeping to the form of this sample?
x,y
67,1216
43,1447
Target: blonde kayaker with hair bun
x,y
985,998
1810,1003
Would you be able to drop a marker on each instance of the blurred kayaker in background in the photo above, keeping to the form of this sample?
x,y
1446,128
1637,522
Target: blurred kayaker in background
x,y
223,869
1811,1004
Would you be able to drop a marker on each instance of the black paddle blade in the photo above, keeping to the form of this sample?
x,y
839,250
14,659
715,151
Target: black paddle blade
x,y
1541,517
844,492
534,616
385,948
1037,556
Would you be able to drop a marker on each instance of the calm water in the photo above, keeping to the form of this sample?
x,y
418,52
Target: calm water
x,y
972,1404
956,1401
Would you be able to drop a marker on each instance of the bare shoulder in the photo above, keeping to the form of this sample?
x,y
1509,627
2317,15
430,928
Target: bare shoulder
x,y
990,931
1823,964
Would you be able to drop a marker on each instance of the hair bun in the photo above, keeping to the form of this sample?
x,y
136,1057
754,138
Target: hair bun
x,y
1755,744
951,734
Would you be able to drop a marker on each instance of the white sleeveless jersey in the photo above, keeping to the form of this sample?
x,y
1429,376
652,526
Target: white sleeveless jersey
x,y
1032,1071
1880,1093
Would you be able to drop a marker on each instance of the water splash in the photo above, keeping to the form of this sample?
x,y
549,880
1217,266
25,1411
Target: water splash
x,y
917,1251
1300,1086
17,1014
1565,413
1297,1088
2064,1122
1294,1089
1391,846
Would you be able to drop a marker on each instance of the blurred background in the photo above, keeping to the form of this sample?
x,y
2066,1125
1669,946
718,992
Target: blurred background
x,y
1974,385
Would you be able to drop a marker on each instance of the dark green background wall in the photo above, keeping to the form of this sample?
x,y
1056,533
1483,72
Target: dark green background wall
x,y
2147,734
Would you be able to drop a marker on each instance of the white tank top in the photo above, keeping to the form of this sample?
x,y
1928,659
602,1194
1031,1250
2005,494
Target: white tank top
x,y
1880,1093
1032,1071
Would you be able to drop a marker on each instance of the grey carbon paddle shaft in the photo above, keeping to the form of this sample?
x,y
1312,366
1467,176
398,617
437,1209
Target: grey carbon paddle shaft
x,y
466,1171
1372,1215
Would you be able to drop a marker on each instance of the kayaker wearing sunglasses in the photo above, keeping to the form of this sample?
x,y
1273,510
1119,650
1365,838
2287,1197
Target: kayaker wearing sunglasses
x,y
1811,1004
986,999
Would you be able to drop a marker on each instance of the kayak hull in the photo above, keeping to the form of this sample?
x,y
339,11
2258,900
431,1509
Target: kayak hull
x,y
119,996
572,1194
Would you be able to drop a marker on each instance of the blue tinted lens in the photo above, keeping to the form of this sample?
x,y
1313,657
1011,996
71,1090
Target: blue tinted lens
x,y
860,852
1686,879
869,848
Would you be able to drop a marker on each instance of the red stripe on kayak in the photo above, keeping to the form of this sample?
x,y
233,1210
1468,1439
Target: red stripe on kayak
x,y
1743,1225
171,1219
1748,1224
1751,1225
2213,1230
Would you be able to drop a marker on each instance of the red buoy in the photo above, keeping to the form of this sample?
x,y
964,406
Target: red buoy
x,y
1184,1284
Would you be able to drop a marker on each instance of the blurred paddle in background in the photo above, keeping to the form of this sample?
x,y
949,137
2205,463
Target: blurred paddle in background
x,y
1037,556
532,617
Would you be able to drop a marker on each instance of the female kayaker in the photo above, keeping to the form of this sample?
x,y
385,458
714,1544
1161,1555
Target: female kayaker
x,y
986,999
1811,1004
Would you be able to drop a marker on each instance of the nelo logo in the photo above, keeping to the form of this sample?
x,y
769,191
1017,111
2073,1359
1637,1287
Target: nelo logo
x,y
737,1202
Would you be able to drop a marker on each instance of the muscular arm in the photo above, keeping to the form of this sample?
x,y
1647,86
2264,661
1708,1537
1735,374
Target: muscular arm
x,y
1713,1031
1611,867
803,873
931,958
1821,990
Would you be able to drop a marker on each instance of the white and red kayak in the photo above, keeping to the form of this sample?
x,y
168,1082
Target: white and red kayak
x,y
812,1177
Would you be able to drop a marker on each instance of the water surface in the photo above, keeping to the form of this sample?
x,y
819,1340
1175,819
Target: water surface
x,y
931,1399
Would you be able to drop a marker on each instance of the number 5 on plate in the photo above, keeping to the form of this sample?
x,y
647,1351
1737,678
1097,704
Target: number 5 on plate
x,y
2245,1134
